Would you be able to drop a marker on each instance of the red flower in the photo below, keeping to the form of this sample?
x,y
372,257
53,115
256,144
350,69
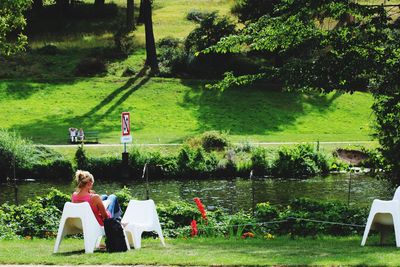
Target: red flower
x,y
193,225
247,235
200,207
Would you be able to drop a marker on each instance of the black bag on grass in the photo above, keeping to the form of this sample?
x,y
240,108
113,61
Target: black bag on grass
x,y
115,238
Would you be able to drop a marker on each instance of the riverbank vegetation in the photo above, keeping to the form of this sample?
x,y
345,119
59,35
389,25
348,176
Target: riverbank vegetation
x,y
211,154
39,218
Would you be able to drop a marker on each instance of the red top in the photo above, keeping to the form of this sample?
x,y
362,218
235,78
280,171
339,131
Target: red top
x,y
88,198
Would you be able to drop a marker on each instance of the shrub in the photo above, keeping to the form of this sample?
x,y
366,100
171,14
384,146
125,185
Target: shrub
x,y
212,140
211,29
197,15
171,56
196,162
90,66
300,161
310,213
105,167
124,43
49,49
14,151
80,158
260,163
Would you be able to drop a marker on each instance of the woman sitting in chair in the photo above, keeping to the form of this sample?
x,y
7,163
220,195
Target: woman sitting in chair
x,y
103,207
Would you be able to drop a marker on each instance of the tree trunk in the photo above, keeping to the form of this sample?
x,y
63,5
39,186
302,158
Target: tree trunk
x,y
141,17
130,15
151,55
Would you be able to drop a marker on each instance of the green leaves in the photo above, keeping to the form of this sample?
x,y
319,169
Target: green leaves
x,y
12,19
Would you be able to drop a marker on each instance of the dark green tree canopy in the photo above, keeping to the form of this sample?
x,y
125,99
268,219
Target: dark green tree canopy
x,y
329,45
12,22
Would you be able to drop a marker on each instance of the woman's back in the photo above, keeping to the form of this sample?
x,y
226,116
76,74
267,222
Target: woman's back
x,y
79,198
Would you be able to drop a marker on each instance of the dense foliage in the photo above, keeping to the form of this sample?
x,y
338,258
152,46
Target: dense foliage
x,y
40,217
30,161
202,160
12,23
328,45
178,58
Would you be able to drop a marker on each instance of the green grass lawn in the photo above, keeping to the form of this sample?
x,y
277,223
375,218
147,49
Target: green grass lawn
x,y
170,110
332,251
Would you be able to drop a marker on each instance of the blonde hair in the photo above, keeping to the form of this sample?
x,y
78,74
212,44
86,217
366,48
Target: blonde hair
x,y
82,178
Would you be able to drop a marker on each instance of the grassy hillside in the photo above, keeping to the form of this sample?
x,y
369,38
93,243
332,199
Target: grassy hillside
x,y
41,97
169,110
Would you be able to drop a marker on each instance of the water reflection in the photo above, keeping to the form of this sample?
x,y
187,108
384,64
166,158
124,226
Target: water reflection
x,y
231,195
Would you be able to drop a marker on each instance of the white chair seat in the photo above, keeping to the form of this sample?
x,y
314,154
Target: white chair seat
x,y
139,217
383,214
79,218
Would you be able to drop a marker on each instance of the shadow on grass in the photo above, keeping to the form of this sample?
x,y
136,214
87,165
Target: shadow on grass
x,y
70,253
58,126
250,110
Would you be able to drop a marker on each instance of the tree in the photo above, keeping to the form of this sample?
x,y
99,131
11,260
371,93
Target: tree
x,y
252,10
12,22
130,15
151,54
355,54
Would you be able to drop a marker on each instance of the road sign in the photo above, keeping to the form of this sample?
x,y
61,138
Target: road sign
x,y
126,127
125,123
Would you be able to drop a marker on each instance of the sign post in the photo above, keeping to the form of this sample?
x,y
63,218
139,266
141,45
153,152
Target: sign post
x,y
125,138
126,129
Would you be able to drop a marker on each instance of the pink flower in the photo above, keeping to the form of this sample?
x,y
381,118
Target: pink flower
x,y
200,206
193,225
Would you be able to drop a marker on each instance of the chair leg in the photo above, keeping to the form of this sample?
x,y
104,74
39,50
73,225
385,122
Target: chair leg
x,y
396,226
60,235
160,235
129,236
367,228
90,242
137,237
127,241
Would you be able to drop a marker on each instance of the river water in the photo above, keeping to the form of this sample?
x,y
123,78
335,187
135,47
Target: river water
x,y
228,194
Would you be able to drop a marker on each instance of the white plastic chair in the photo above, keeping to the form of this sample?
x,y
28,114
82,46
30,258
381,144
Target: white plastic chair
x,y
79,218
141,216
384,214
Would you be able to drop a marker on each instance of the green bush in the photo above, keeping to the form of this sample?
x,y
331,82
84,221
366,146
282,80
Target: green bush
x,y
312,213
197,15
210,30
14,151
196,162
300,161
31,161
40,217
171,56
260,163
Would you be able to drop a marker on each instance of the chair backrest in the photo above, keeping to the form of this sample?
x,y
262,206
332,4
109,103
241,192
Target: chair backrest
x,y
83,211
397,194
141,212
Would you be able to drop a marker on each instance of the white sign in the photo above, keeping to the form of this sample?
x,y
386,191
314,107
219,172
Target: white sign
x,y
126,139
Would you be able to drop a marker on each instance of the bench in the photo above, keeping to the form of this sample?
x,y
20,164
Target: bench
x,y
89,137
